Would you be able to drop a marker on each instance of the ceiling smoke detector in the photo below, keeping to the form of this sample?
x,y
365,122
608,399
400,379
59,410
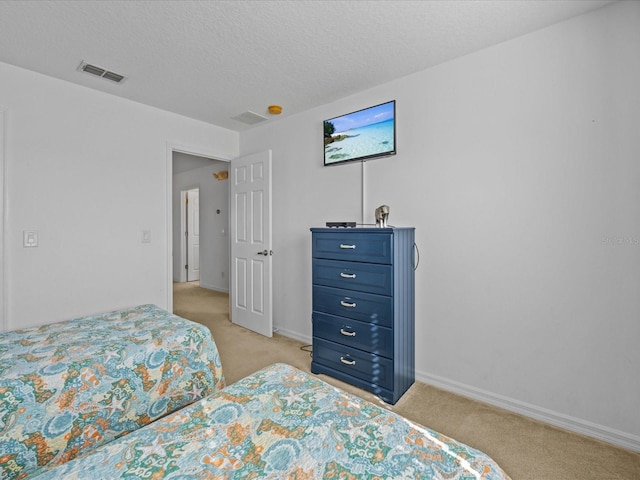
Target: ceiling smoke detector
x,y
101,72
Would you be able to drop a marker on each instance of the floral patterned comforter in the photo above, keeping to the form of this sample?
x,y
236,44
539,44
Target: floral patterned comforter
x,y
282,423
69,387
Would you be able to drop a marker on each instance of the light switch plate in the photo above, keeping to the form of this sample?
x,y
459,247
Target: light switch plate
x,y
146,236
29,238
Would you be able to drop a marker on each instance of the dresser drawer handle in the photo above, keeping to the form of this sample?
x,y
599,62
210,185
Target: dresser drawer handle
x,y
347,304
347,334
347,361
344,245
347,275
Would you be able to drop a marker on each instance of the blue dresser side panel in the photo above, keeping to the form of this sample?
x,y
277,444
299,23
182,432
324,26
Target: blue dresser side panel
x,y
404,309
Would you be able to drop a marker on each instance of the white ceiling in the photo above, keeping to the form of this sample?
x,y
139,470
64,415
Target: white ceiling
x,y
214,60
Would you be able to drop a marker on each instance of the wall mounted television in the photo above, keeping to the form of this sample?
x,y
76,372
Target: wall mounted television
x,y
361,135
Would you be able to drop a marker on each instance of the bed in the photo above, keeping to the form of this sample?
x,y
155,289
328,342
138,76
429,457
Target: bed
x,y
72,386
282,423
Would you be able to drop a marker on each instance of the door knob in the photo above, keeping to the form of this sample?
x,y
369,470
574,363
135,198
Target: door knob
x,y
266,253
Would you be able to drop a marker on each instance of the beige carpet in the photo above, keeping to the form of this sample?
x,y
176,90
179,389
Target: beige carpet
x,y
526,449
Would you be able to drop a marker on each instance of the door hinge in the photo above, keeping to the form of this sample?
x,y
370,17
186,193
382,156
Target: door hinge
x,y
186,267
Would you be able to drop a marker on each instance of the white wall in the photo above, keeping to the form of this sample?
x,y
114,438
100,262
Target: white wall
x,y
518,166
3,315
89,172
214,239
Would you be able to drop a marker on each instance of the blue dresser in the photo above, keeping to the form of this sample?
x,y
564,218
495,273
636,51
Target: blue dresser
x,y
364,307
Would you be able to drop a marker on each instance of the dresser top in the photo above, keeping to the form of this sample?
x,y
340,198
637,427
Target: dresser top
x,y
359,229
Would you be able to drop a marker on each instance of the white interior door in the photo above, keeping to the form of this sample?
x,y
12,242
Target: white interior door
x,y
251,291
193,235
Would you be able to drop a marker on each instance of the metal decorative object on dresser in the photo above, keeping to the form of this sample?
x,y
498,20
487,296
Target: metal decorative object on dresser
x,y
364,307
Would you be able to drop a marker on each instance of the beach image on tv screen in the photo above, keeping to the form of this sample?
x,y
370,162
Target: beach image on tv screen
x,y
365,133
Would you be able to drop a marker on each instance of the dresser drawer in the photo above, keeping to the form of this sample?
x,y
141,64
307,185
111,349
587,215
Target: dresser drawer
x,y
357,247
361,306
352,333
366,366
364,277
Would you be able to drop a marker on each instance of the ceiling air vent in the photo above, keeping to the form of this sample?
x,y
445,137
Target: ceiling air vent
x,y
250,118
101,72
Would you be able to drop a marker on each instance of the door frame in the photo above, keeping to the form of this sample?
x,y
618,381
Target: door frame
x,y
190,150
183,276
184,226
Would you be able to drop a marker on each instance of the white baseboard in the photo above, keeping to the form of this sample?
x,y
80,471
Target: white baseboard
x,y
214,288
290,334
593,430
576,425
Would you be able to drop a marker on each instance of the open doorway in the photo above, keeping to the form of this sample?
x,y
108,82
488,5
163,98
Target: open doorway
x,y
199,206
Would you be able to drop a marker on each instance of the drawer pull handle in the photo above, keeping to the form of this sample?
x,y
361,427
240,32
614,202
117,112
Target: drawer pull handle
x,y
347,304
347,275
344,245
347,361
347,334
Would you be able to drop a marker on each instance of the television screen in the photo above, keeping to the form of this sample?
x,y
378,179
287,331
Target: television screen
x,y
361,135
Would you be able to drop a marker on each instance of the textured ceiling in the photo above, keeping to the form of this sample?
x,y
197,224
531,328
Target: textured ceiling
x,y
213,60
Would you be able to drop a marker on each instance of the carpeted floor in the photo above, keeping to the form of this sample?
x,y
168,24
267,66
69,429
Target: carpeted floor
x,y
526,449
